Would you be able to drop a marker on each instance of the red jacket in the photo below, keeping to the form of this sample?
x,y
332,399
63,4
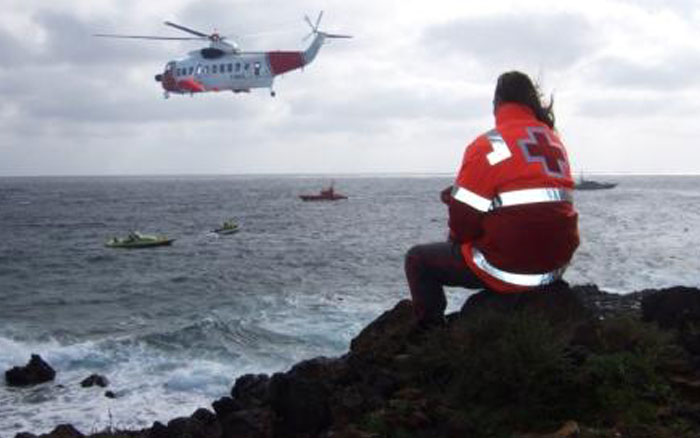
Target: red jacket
x,y
512,207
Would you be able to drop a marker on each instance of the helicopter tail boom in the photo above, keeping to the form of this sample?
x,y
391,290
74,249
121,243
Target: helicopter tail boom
x,y
282,62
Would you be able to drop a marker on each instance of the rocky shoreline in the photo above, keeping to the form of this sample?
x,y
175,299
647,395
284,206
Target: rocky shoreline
x,y
559,362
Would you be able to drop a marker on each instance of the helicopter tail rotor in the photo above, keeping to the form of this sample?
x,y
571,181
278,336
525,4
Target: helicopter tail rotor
x,y
314,27
315,31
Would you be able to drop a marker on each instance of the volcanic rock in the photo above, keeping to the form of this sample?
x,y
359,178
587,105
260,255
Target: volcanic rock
x,y
225,406
249,423
301,383
251,389
202,424
95,380
35,372
676,307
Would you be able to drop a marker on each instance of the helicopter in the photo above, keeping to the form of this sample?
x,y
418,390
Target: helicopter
x,y
223,66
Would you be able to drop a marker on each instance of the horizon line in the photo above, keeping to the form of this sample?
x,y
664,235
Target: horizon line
x,y
320,174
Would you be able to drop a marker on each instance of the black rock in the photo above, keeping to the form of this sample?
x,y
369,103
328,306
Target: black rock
x,y
158,430
110,394
250,423
204,416
95,380
65,431
286,391
673,307
225,406
35,372
202,424
250,390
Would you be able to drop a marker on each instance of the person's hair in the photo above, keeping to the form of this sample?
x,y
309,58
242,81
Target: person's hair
x,y
514,86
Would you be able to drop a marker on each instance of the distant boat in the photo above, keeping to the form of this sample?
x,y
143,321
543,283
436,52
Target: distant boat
x,y
229,227
586,184
137,240
328,194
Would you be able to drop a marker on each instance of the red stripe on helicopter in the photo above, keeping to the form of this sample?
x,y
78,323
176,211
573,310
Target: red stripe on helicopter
x,y
190,85
282,62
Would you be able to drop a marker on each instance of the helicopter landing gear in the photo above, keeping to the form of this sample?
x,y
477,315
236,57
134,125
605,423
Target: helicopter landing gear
x,y
166,95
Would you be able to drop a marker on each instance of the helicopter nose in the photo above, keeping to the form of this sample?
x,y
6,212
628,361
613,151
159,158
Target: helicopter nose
x,y
159,77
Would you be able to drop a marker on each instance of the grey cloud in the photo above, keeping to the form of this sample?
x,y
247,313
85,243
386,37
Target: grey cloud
x,y
373,112
101,95
555,40
70,40
410,104
673,73
13,52
679,7
635,107
618,107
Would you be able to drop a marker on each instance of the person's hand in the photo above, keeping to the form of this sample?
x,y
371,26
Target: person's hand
x,y
446,194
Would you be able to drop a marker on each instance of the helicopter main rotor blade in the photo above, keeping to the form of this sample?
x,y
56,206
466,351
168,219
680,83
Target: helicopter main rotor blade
x,y
186,29
318,20
144,37
335,35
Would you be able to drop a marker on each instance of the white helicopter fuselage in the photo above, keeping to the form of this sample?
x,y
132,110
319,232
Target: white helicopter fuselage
x,y
222,67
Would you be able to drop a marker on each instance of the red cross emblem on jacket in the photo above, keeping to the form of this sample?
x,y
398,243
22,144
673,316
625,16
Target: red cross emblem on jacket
x,y
539,147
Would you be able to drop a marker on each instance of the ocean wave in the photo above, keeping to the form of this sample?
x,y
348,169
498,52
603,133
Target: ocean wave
x,y
148,383
218,339
49,224
101,258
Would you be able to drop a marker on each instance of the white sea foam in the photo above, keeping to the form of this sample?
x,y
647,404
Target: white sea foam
x,y
149,386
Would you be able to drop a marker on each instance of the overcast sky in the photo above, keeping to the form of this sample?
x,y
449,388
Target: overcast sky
x,y
407,94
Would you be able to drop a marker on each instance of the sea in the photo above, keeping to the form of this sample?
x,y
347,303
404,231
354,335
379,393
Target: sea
x,y
173,327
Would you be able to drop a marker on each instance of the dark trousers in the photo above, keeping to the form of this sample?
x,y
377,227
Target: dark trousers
x,y
428,268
